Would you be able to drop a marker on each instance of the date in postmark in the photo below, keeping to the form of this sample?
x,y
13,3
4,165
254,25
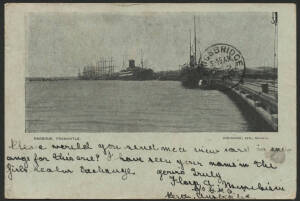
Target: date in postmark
x,y
225,62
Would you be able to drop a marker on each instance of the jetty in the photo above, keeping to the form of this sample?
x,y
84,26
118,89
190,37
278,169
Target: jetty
x,y
259,97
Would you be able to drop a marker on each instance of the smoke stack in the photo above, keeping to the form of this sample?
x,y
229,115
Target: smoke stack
x,y
131,63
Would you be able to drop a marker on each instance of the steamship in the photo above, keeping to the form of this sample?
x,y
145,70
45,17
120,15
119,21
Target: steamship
x,y
133,72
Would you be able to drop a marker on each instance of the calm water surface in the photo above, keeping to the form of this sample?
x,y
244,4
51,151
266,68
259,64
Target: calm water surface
x,y
128,106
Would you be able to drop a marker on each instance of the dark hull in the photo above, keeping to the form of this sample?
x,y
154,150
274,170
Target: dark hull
x,y
190,77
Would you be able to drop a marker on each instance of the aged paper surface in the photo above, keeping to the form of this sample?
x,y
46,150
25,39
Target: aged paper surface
x,y
204,108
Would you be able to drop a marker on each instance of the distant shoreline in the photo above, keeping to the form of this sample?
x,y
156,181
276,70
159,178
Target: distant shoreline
x,y
75,78
50,78
251,73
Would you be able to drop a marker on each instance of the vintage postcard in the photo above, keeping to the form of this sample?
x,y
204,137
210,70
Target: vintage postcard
x,y
172,101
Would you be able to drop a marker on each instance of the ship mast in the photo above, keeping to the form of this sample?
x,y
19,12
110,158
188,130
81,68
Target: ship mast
x,y
123,65
195,41
190,47
79,73
142,62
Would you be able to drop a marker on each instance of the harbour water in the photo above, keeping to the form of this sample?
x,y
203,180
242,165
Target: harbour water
x,y
129,106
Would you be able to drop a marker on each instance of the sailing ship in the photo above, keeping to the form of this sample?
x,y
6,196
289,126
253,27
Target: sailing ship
x,y
192,72
103,70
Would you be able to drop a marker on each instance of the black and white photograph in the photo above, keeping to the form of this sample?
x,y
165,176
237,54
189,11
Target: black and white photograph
x,y
150,101
151,72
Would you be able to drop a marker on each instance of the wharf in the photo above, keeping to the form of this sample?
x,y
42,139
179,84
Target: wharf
x,y
263,102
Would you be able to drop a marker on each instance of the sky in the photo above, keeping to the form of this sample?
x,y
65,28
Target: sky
x,y
61,44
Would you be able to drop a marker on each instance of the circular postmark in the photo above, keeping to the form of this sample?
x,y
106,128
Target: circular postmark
x,y
225,63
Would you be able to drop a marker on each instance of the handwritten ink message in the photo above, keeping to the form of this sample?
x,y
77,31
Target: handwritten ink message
x,y
186,172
